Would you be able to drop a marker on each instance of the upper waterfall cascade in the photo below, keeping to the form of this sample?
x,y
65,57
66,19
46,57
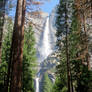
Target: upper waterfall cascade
x,y
45,44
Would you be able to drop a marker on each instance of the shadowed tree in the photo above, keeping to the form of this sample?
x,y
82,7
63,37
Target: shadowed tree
x,y
16,55
2,18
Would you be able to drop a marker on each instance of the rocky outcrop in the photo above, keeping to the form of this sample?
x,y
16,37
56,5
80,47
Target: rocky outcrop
x,y
37,21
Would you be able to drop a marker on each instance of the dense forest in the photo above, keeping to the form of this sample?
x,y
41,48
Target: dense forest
x,y
72,67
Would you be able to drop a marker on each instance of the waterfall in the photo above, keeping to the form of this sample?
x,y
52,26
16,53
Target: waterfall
x,y
37,84
45,47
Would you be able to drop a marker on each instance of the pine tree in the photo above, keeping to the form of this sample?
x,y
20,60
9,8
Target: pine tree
x,y
5,54
2,19
80,72
63,23
72,42
47,84
61,76
29,61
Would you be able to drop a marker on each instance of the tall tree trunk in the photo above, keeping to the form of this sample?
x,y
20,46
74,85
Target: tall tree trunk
x,y
72,88
86,40
2,18
17,48
67,51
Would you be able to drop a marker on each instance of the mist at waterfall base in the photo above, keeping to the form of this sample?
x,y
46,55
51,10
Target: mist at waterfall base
x,y
46,47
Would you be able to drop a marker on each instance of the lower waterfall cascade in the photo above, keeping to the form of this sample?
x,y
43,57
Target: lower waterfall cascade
x,y
37,84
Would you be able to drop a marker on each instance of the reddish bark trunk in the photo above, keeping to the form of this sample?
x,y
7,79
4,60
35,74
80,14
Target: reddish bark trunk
x,y
67,53
17,47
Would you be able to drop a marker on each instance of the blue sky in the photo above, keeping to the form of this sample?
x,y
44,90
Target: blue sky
x,y
48,6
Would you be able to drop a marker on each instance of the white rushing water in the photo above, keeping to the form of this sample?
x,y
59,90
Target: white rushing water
x,y
37,84
45,42
45,47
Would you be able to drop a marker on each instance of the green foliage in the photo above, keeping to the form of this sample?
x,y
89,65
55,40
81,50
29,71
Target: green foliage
x,y
64,8
29,60
5,54
64,89
80,72
61,75
47,84
80,75
59,86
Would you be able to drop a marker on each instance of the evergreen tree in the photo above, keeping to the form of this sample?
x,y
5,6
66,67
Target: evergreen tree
x,y
61,77
16,54
29,61
63,23
47,84
80,75
2,19
80,72
5,55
